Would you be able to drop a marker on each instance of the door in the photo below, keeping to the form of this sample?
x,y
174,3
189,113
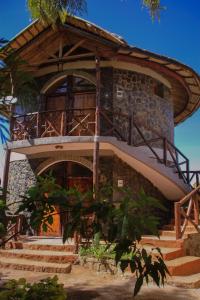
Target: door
x,y
84,113
53,230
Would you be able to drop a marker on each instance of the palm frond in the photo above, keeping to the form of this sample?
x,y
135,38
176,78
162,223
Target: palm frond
x,y
4,130
52,11
154,7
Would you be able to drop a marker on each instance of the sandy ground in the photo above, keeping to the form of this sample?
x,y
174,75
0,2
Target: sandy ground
x,y
83,284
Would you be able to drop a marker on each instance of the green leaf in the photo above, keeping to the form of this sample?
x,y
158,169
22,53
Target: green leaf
x,y
138,285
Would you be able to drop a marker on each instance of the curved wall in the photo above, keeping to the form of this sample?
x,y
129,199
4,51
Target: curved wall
x,y
138,94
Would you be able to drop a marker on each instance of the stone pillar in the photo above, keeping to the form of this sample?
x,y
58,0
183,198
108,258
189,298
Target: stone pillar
x,y
20,178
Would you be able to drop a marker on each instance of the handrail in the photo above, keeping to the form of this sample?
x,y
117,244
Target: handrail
x,y
190,213
14,229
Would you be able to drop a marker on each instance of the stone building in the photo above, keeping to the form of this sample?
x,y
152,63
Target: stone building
x,y
87,75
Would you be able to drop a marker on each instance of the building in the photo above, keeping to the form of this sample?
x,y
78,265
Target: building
x,y
96,90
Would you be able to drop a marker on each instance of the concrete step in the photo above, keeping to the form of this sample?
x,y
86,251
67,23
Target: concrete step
x,y
40,255
34,266
183,266
171,227
186,282
162,241
170,233
168,253
42,247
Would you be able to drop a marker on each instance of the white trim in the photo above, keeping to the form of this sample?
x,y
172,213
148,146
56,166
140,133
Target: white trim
x,y
87,65
63,75
63,157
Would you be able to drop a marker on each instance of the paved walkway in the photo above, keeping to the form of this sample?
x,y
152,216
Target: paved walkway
x,y
83,284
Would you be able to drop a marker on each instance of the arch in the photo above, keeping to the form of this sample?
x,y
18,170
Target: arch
x,y
64,157
78,73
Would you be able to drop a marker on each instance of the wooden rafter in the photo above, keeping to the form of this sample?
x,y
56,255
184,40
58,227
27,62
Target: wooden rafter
x,y
60,47
74,47
57,60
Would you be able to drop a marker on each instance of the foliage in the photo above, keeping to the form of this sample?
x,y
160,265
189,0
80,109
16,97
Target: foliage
x,y
154,7
46,289
100,251
15,83
3,218
119,226
55,10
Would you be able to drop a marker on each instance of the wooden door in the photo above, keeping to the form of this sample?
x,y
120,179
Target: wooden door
x,y
82,184
84,105
53,230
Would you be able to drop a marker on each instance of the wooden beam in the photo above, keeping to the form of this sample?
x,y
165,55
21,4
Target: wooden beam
x,y
60,47
97,131
74,47
92,36
57,60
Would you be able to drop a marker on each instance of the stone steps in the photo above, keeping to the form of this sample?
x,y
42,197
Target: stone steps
x,y
168,253
186,282
162,241
40,255
29,245
34,266
183,266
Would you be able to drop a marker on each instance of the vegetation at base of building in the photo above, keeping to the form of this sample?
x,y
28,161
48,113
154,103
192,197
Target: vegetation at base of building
x,y
121,224
46,289
3,218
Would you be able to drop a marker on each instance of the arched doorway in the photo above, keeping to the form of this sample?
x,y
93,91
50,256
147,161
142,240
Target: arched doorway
x,y
68,174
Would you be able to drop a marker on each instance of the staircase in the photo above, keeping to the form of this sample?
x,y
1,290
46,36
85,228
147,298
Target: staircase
x,y
38,255
183,267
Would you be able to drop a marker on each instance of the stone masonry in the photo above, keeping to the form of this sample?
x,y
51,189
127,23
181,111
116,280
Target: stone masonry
x,y
136,94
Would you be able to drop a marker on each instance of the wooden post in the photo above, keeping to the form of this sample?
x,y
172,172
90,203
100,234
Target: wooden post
x,y
6,172
165,151
188,171
97,131
130,129
177,215
196,209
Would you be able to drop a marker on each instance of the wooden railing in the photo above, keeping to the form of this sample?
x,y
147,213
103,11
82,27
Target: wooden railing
x,y
53,123
187,211
162,149
14,228
81,122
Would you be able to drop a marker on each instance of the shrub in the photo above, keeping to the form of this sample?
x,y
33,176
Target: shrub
x,y
46,289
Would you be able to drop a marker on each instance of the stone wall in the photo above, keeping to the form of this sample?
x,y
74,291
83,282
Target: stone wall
x,y
21,177
136,181
137,93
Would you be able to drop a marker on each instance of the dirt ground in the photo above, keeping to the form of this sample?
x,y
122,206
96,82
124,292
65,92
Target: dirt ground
x,y
83,284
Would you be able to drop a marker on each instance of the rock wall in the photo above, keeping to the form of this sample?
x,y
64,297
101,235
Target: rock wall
x,y
136,182
138,94
21,177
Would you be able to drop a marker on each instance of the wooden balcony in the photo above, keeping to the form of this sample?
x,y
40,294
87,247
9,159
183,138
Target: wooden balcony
x,y
73,122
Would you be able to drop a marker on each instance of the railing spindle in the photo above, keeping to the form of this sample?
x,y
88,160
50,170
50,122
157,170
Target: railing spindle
x,y
177,215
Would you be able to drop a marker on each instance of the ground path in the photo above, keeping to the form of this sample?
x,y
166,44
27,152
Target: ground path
x,y
83,284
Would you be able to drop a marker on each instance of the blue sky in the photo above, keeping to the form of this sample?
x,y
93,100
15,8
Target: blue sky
x,y
176,35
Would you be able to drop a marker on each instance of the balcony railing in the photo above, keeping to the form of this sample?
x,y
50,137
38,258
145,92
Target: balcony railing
x,y
81,122
53,123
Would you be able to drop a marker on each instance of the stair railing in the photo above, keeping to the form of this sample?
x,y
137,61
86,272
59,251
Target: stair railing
x,y
166,153
187,211
14,230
